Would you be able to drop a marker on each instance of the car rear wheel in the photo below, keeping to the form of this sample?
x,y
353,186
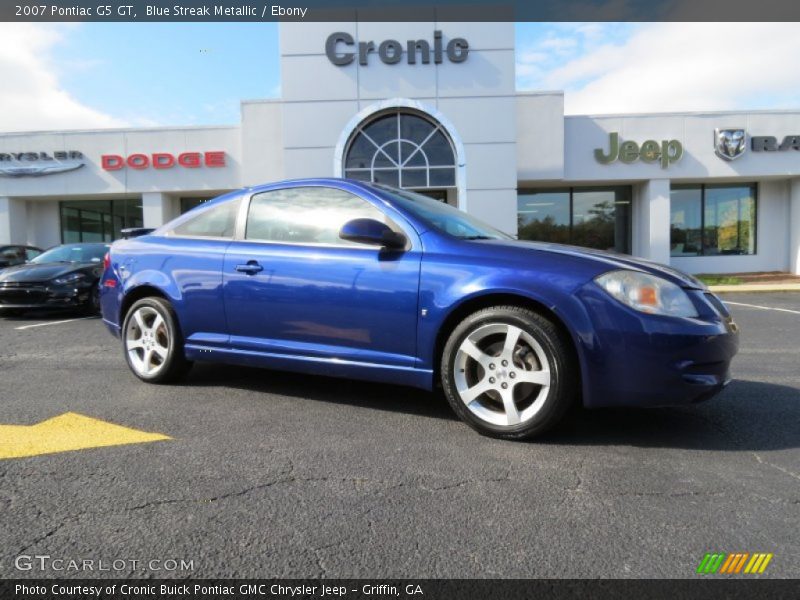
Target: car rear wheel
x,y
509,372
152,342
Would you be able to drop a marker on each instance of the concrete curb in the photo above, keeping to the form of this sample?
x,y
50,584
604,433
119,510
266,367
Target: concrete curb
x,y
756,287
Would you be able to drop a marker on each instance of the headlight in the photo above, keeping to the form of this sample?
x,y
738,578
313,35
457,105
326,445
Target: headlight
x,y
68,279
647,293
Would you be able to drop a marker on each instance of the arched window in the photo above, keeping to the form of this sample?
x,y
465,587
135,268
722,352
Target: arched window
x,y
403,149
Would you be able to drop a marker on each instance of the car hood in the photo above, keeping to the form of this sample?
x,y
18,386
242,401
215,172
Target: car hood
x,y
43,271
612,260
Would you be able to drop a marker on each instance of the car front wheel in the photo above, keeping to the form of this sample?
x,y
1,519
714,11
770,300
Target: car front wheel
x,y
92,306
509,372
152,342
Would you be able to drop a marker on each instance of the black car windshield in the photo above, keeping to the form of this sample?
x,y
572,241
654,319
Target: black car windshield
x,y
73,253
442,216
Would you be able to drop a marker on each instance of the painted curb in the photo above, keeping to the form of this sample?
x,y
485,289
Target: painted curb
x,y
756,287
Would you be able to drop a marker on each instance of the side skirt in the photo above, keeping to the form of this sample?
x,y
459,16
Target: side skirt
x,y
331,367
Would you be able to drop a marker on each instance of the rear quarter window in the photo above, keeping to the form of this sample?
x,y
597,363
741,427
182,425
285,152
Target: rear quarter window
x,y
216,221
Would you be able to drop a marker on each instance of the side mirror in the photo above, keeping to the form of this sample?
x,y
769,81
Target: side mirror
x,y
370,231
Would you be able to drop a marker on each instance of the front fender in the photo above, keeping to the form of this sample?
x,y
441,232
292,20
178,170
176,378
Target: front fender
x,y
447,292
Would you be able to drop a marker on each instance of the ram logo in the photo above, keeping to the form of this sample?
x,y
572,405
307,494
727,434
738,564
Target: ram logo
x,y
729,143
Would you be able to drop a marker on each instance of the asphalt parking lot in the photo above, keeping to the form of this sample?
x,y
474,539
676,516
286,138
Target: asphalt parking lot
x,y
277,475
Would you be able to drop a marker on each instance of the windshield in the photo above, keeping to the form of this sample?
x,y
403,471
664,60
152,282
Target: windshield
x,y
73,253
443,217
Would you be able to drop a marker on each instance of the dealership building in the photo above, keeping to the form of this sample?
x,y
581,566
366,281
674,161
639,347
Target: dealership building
x,y
432,106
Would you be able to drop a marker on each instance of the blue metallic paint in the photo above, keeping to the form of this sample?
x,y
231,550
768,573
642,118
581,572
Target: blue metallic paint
x,y
357,311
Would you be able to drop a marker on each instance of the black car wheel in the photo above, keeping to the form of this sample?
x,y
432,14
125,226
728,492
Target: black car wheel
x,y
509,372
152,342
92,306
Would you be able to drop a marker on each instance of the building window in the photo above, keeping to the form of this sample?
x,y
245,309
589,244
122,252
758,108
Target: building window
x,y
402,149
596,217
712,220
98,220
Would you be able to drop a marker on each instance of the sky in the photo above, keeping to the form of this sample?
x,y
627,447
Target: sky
x,y
97,75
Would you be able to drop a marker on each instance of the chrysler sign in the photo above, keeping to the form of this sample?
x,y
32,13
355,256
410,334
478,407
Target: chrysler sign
x,y
36,164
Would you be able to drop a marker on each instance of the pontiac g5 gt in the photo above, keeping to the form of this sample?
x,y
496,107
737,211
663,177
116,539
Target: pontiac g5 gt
x,y
349,279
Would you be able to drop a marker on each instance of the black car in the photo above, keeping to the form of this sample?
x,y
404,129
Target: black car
x,y
66,276
16,255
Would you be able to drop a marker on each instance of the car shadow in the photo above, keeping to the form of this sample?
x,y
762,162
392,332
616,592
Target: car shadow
x,y
364,394
747,416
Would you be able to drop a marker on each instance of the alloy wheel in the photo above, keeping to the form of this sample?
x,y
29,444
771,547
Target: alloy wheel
x,y
502,374
147,341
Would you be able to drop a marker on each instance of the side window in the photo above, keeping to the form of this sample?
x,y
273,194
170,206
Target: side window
x,y
216,221
31,253
307,215
10,253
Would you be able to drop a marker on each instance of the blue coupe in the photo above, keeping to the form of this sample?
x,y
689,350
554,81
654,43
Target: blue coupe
x,y
349,279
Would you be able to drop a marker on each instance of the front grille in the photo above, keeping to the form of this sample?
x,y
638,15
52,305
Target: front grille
x,y
17,285
22,292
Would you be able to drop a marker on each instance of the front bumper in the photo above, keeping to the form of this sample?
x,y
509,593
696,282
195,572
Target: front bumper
x,y
638,359
43,295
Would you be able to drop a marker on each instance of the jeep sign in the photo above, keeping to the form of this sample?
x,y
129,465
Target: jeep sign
x,y
666,151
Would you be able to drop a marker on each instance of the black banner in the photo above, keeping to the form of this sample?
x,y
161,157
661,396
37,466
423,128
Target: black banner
x,y
398,10
423,589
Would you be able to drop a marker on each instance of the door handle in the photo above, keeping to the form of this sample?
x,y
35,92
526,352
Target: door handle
x,y
251,268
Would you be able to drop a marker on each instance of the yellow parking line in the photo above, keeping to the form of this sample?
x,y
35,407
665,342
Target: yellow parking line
x,y
65,433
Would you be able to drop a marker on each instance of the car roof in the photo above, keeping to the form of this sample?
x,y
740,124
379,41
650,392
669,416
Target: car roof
x,y
83,244
316,181
352,185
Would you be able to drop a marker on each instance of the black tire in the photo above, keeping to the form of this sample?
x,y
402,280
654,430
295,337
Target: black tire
x,y
92,306
546,407
174,366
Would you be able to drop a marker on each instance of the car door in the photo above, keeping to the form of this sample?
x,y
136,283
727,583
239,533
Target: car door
x,y
293,287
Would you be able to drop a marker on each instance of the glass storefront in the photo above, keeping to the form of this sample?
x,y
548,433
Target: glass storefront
x,y
98,220
712,220
188,204
596,217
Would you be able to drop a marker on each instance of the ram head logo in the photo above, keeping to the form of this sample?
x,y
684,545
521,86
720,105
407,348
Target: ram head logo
x,y
730,143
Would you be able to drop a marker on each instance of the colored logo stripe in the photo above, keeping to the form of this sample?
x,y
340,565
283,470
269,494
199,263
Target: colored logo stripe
x,y
721,562
758,563
711,563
